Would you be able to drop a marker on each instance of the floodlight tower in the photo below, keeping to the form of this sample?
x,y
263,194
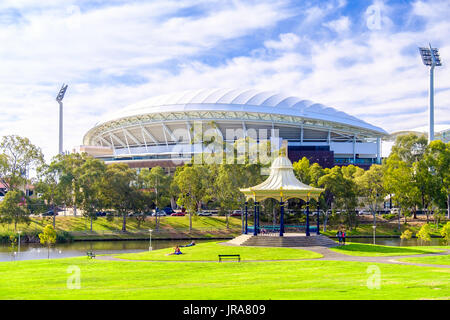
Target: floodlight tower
x,y
430,58
59,98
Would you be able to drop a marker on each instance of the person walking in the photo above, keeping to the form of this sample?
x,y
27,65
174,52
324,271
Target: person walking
x,y
339,235
343,237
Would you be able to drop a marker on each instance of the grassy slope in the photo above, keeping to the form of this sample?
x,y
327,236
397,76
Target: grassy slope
x,y
442,260
383,229
209,251
72,224
370,250
46,279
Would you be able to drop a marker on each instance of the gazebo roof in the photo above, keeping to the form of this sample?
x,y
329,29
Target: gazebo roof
x,y
281,183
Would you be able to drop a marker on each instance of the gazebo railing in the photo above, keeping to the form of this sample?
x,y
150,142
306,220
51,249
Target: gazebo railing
x,y
275,230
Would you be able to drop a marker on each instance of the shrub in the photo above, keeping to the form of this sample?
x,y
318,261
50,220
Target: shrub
x,y
445,231
424,233
389,216
406,235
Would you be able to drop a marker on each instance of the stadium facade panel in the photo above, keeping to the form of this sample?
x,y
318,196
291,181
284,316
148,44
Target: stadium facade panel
x,y
164,130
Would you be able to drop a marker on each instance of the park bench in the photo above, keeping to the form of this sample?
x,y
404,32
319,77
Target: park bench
x,y
90,254
229,256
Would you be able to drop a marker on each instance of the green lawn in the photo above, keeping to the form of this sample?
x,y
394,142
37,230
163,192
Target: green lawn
x,y
209,252
47,279
442,260
370,250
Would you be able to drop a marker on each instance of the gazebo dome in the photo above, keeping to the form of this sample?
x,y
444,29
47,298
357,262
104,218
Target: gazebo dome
x,y
281,183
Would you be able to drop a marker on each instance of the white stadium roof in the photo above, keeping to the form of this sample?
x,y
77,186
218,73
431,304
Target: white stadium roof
x,y
238,100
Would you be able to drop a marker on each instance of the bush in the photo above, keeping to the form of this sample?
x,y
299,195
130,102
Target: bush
x,y
445,231
64,236
406,235
389,216
424,233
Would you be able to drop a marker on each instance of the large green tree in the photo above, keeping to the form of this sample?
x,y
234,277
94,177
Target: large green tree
x,y
13,208
437,158
17,157
157,181
119,186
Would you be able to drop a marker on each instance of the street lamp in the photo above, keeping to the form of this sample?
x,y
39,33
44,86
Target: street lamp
x,y
374,230
150,245
59,98
430,58
19,232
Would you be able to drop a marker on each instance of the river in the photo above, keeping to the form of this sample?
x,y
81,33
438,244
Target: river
x,y
31,251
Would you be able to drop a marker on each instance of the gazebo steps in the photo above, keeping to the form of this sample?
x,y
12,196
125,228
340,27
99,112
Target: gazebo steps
x,y
286,241
239,240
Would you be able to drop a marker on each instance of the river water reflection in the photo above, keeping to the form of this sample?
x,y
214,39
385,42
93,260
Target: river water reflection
x,y
78,248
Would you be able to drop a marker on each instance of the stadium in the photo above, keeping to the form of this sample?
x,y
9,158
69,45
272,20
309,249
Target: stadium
x,y
160,130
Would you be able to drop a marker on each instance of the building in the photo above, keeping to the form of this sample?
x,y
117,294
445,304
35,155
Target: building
x,y
162,130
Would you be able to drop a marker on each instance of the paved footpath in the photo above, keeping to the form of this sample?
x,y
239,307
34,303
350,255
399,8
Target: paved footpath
x,y
328,255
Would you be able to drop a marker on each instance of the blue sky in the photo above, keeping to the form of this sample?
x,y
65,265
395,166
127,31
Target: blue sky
x,y
360,57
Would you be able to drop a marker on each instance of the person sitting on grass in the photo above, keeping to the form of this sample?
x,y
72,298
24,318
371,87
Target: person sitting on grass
x,y
190,244
176,251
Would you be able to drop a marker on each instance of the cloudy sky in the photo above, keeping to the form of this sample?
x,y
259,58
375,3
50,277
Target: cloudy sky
x,y
360,57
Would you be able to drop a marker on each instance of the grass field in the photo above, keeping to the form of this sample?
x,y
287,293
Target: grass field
x,y
370,250
47,279
209,252
442,260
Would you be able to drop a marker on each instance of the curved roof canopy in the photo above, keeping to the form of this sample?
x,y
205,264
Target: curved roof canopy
x,y
281,184
238,100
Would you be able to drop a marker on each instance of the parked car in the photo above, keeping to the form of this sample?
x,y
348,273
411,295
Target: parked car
x,y
168,210
159,214
178,214
236,213
49,213
204,214
100,213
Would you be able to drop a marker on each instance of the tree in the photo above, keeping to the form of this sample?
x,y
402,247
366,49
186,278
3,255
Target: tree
x,y
400,184
445,232
437,158
157,181
13,208
409,148
302,170
119,183
90,181
190,181
370,183
18,156
343,191
50,188
424,233
48,237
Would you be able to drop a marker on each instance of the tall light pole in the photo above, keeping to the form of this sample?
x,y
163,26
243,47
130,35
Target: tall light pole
x,y
430,58
150,245
59,98
19,232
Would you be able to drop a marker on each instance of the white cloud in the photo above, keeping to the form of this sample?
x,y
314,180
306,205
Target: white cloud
x,y
340,25
373,75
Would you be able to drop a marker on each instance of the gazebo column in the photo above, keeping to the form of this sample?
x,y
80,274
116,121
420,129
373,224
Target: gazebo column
x,y
307,218
318,218
254,217
257,220
281,217
246,213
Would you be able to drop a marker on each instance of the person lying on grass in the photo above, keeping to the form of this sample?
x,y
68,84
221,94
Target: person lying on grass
x,y
176,251
190,244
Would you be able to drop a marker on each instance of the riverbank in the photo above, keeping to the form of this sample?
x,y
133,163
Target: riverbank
x,y
103,229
